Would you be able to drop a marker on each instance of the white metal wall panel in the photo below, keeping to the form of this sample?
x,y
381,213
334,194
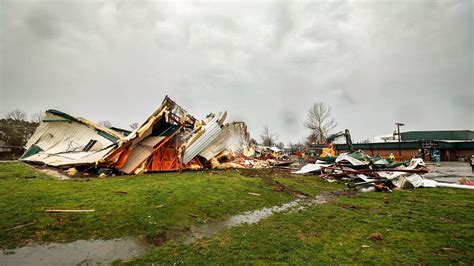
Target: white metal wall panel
x,y
212,131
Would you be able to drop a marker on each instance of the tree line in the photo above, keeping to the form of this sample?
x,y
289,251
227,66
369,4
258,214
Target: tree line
x,y
16,128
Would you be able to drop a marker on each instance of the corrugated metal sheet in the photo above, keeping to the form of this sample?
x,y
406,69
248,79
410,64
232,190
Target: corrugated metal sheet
x,y
211,132
70,158
62,142
232,137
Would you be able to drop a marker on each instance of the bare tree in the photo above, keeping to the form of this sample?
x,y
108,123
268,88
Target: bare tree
x,y
280,145
320,122
37,117
268,139
294,147
290,146
17,115
134,125
105,123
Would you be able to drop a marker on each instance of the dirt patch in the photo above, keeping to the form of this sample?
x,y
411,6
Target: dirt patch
x,y
351,207
376,237
163,237
268,175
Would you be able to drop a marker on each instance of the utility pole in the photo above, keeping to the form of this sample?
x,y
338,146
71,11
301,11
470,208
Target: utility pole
x,y
399,139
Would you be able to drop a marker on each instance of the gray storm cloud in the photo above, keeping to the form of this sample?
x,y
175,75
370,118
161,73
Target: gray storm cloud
x,y
373,62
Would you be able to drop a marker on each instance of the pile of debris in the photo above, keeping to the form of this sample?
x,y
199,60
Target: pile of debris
x,y
169,140
374,173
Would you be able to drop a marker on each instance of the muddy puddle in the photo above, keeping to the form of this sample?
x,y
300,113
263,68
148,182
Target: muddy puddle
x,y
91,252
80,252
251,217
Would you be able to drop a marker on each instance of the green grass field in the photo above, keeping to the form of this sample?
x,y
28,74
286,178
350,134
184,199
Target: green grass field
x,y
426,226
144,205
423,226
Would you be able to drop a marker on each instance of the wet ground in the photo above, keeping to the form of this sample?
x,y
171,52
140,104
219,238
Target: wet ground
x,y
81,252
449,172
91,252
252,217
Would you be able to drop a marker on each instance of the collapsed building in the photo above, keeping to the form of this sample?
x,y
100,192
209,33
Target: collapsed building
x,y
170,139
63,140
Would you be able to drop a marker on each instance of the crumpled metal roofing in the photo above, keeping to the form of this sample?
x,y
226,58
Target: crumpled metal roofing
x,y
61,139
233,137
210,132
65,140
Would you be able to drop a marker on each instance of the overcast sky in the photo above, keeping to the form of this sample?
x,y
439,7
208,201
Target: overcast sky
x,y
374,62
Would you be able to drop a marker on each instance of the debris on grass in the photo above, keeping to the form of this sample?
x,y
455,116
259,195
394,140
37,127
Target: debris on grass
x,y
56,211
18,227
377,237
254,194
376,173
72,171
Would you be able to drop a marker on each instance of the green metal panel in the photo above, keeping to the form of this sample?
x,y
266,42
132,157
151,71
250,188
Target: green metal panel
x,y
407,145
446,145
121,130
465,145
381,146
61,114
107,135
31,151
438,135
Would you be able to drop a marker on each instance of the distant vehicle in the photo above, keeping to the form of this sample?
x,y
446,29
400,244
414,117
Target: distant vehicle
x,y
327,149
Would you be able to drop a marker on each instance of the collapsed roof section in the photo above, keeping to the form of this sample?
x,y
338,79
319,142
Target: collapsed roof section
x,y
233,138
154,145
172,139
62,140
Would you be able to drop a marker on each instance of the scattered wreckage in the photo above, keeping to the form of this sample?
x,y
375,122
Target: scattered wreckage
x,y
374,173
169,140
